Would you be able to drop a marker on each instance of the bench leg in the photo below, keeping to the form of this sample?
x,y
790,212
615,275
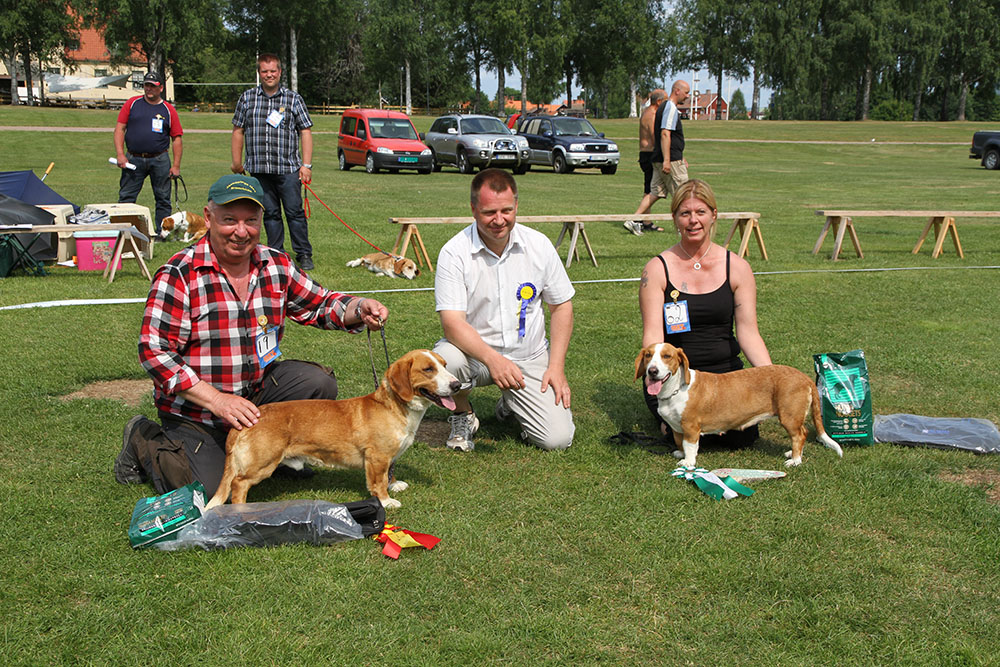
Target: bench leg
x,y
746,231
572,243
116,255
920,241
953,228
586,242
567,226
854,238
399,238
419,249
755,224
732,231
840,225
822,234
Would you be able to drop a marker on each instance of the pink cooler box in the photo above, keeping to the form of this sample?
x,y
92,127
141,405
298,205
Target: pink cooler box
x,y
93,250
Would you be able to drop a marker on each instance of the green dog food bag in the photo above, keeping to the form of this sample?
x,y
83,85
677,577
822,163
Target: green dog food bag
x,y
846,397
159,518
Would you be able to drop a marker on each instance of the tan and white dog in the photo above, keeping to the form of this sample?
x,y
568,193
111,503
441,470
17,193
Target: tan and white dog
x,y
192,224
695,402
368,432
387,265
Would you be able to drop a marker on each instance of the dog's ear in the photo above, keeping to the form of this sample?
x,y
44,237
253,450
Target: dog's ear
x,y
398,377
399,266
640,368
684,364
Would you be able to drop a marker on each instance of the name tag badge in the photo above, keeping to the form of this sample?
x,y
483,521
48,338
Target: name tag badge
x,y
267,346
158,125
675,316
274,118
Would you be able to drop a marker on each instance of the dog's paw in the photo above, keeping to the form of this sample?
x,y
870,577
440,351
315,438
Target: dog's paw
x,y
391,503
354,262
398,485
688,463
793,461
677,454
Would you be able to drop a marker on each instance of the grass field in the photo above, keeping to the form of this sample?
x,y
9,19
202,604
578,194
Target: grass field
x,y
591,555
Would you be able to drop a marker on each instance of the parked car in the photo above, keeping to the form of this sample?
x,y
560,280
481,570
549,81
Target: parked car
x,y
566,143
381,139
986,148
476,141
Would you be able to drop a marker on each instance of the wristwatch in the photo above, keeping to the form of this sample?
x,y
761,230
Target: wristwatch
x,y
357,310
308,166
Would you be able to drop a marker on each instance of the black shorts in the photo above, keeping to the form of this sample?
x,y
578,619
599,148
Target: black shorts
x,y
646,164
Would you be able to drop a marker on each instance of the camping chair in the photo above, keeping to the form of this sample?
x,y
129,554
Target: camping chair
x,y
14,254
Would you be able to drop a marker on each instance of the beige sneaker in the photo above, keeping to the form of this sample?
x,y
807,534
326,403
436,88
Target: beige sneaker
x,y
463,426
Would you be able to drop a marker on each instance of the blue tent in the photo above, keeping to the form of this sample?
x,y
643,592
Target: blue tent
x,y
28,188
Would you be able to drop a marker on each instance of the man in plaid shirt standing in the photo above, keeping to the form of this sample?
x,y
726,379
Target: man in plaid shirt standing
x,y
210,340
269,121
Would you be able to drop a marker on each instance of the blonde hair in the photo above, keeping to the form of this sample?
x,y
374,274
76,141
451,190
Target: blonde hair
x,y
697,189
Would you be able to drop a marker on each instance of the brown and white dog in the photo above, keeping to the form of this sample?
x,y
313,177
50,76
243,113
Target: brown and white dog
x,y
388,265
368,432
192,224
695,402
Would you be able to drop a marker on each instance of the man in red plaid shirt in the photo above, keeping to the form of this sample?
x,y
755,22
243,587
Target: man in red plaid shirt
x,y
210,339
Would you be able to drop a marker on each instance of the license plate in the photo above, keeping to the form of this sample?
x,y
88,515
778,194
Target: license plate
x,y
504,156
597,158
407,159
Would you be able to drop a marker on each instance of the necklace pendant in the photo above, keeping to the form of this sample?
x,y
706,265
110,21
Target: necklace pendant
x,y
697,266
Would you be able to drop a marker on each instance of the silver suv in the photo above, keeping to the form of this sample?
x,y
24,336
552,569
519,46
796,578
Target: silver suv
x,y
476,141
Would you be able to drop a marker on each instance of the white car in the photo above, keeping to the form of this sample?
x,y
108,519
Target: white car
x,y
476,141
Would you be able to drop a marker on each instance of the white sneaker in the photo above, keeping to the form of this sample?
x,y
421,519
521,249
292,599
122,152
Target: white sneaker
x,y
463,426
633,226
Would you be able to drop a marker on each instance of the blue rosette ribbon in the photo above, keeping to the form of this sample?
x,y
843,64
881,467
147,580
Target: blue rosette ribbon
x,y
526,293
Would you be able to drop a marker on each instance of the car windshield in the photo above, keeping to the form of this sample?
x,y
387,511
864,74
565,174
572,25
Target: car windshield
x,y
483,126
573,127
391,128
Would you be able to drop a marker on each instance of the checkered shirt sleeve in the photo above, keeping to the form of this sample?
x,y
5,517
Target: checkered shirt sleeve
x,y
195,328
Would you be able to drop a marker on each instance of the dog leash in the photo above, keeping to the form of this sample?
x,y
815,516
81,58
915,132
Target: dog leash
x,y
309,189
178,182
371,354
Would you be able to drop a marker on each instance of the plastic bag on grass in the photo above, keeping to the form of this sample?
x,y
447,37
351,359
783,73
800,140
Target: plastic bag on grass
x,y
975,435
316,522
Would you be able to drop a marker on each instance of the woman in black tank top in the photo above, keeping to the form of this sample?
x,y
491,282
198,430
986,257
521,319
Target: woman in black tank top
x,y
720,293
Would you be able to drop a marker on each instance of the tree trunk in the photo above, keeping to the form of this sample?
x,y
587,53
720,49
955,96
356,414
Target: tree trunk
x,y
718,96
943,115
293,59
866,93
501,87
633,104
524,93
477,61
27,78
11,62
824,100
963,95
569,84
409,96
755,105
918,97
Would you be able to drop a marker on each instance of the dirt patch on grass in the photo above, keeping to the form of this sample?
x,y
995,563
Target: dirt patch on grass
x,y
987,480
130,392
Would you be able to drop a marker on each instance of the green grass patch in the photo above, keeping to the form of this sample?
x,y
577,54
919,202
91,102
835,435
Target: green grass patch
x,y
590,555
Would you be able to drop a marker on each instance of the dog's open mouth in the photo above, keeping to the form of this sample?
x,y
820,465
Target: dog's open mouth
x,y
446,402
653,386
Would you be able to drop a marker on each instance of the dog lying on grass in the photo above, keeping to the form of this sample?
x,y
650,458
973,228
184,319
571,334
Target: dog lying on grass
x,y
387,265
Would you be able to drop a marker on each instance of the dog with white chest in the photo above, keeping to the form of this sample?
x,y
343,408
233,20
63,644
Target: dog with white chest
x,y
192,224
368,432
384,264
694,402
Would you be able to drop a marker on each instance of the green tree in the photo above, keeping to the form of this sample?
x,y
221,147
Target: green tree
x,y
35,31
737,106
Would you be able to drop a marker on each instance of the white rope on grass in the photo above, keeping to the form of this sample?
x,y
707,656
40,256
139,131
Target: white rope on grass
x,y
112,302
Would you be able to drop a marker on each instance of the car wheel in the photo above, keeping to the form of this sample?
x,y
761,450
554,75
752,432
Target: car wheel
x,y
992,159
559,164
464,166
425,170
342,159
610,169
370,166
522,169
435,165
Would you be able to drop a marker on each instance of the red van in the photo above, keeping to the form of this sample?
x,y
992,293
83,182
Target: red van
x,y
381,139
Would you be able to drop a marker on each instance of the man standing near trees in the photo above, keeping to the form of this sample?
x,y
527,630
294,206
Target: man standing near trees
x,y
149,126
271,120
646,144
669,165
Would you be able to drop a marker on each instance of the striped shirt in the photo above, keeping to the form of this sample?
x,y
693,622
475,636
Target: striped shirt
x,y
196,329
271,147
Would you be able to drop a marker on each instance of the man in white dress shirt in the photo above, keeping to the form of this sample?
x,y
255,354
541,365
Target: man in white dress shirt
x,y
491,281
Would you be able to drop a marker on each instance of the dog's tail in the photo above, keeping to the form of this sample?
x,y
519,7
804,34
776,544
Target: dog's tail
x,y
225,485
821,435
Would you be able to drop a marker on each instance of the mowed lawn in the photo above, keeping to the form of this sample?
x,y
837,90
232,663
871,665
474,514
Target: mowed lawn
x,y
595,554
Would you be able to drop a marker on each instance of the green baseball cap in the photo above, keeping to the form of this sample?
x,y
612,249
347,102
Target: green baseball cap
x,y
236,186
